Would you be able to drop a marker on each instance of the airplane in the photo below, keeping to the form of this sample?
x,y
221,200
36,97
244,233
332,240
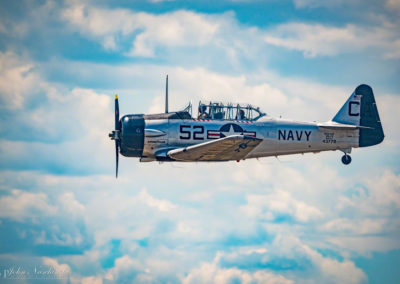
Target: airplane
x,y
234,132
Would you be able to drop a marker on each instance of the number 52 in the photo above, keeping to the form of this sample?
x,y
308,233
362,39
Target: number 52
x,y
188,130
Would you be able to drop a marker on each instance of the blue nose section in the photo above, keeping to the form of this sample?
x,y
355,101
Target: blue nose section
x,y
132,135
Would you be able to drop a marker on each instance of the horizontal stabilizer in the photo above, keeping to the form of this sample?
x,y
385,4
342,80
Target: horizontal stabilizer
x,y
340,126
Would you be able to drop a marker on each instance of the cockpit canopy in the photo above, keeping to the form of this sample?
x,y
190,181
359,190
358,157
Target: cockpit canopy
x,y
220,111
213,111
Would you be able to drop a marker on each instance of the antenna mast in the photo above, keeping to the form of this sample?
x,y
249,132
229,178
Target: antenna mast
x,y
166,96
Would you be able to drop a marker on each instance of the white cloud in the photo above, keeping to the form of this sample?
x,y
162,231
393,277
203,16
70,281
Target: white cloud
x,y
224,34
372,212
177,29
61,115
380,198
364,245
21,205
387,106
17,80
125,266
74,122
131,216
61,270
91,280
393,4
282,251
339,272
315,3
321,40
161,205
171,29
120,210
211,273
71,205
278,204
385,190
356,227
329,270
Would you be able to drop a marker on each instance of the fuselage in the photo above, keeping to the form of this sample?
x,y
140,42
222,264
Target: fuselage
x,y
279,137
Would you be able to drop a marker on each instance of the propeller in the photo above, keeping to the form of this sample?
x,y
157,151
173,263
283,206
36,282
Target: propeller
x,y
115,135
117,128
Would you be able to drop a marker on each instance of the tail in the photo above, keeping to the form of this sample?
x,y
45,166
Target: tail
x,y
360,109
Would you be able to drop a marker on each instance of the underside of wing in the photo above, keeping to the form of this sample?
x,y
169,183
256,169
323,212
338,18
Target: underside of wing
x,y
234,147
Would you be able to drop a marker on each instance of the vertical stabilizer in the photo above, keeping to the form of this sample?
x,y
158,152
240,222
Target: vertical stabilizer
x,y
360,109
350,112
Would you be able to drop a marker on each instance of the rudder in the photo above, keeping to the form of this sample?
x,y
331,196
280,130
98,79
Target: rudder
x,y
372,134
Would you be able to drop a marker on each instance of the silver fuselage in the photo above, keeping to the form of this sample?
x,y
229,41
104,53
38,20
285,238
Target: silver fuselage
x,y
279,137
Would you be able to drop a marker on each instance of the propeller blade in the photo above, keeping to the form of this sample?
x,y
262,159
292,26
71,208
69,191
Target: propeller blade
x,y
117,129
116,113
116,159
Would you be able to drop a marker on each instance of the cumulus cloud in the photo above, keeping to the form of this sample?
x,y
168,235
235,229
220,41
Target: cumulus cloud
x,y
173,29
380,198
21,205
393,4
89,280
279,204
211,273
330,270
386,104
282,255
320,40
372,211
75,121
151,32
61,269
161,205
301,4
123,269
17,80
71,205
60,113
146,223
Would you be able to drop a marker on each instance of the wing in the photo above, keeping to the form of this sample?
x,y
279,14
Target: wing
x,y
234,147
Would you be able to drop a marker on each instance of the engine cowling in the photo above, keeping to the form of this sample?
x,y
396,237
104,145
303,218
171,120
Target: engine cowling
x,y
132,135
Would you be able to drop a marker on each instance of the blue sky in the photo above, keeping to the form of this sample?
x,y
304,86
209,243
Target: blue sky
x,y
296,219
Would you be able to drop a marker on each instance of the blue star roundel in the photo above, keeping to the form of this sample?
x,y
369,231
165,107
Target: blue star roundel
x,y
228,130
